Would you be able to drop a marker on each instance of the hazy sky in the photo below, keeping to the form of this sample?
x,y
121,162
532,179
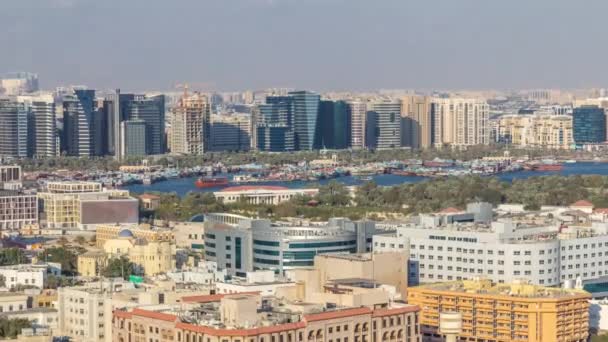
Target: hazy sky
x,y
314,44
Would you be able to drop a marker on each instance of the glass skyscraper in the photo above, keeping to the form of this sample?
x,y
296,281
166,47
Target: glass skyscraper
x,y
77,123
150,110
273,124
306,113
13,128
334,125
383,124
589,125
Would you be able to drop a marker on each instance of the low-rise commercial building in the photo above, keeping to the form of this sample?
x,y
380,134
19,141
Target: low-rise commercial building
x,y
24,275
251,318
506,312
263,194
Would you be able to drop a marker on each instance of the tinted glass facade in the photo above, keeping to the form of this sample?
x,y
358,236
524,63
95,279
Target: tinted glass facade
x,y
334,125
306,113
589,125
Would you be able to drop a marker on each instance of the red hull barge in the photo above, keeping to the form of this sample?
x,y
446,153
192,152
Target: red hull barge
x,y
211,182
548,167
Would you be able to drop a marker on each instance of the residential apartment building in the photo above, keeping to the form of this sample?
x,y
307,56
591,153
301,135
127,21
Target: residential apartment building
x,y
17,210
537,131
191,125
357,112
17,83
13,130
239,244
42,127
24,275
460,121
84,205
82,313
245,317
417,124
505,312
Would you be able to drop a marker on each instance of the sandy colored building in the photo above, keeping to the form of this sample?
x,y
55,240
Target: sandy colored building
x,y
504,312
85,205
261,194
538,131
190,131
244,318
150,257
144,231
460,121
91,263
149,201
417,131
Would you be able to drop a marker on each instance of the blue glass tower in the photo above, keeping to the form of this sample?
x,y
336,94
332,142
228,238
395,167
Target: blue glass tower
x,y
306,113
589,125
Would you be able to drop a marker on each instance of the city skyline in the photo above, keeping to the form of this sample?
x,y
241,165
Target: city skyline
x,y
321,45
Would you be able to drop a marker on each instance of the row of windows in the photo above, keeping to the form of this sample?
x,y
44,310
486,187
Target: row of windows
x,y
480,251
322,244
266,252
266,261
266,243
309,255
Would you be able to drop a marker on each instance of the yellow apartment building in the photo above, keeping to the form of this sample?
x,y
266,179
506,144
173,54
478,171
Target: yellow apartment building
x,y
504,312
543,130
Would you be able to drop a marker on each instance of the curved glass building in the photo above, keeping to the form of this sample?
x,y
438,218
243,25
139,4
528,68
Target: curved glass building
x,y
239,244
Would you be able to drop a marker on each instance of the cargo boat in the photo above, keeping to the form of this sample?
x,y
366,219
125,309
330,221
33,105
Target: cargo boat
x,y
211,182
548,167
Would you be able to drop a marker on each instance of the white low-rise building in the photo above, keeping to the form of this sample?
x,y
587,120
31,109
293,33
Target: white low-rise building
x,y
503,251
263,194
12,302
24,275
263,282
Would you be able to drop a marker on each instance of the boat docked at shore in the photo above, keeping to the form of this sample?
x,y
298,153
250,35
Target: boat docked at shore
x,y
211,182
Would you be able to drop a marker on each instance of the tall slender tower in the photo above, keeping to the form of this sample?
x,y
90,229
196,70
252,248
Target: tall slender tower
x,y
357,112
42,128
190,125
13,128
417,128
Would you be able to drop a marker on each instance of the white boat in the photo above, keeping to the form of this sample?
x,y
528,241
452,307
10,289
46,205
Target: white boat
x,y
571,161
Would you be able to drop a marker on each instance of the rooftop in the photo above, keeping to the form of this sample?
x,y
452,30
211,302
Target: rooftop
x,y
582,203
202,314
253,188
517,289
